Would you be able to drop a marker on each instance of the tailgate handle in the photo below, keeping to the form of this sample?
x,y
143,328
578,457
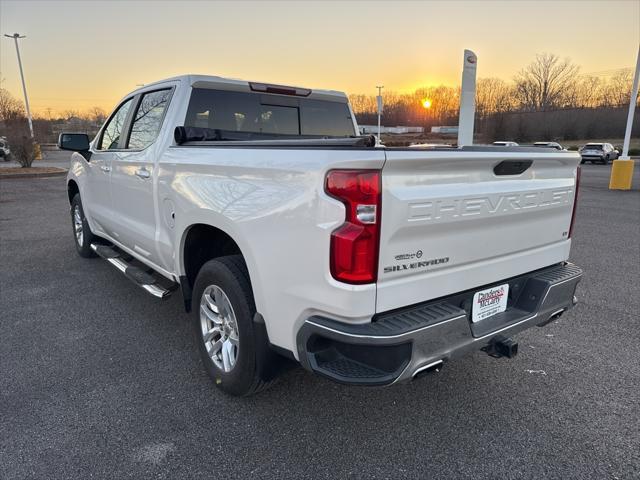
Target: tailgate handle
x,y
512,167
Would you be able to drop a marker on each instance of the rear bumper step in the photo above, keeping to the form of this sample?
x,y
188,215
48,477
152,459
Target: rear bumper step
x,y
145,279
397,345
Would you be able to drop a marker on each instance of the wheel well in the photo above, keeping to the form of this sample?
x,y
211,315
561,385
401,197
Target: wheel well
x,y
202,244
72,190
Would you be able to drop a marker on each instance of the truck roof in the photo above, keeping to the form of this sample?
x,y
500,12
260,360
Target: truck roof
x,y
234,84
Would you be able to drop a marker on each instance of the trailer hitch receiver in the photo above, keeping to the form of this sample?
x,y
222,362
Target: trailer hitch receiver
x,y
501,347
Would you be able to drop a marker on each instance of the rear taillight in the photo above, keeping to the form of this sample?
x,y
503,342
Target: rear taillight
x,y
354,245
575,202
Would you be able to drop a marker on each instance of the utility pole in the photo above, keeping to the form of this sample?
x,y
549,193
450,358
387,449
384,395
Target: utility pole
x,y
15,37
622,168
379,98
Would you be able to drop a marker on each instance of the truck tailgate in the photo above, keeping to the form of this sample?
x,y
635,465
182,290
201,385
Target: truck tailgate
x,y
457,220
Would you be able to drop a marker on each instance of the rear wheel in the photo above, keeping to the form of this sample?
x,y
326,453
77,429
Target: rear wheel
x,y
81,232
230,347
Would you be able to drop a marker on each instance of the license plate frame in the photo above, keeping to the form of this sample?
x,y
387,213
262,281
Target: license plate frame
x,y
489,302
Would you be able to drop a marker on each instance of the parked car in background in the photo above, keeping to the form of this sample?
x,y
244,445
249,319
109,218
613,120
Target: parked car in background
x,y
5,151
506,144
555,145
598,152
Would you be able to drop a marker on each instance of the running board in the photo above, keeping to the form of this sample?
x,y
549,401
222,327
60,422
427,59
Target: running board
x,y
140,277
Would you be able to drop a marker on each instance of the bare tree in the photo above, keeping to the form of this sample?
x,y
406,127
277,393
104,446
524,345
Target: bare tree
x,y
97,115
22,146
10,107
15,126
543,84
587,92
617,90
492,95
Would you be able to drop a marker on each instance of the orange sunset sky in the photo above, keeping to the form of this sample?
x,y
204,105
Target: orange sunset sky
x,y
80,54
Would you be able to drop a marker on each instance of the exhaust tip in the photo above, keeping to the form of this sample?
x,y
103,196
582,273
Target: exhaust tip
x,y
427,369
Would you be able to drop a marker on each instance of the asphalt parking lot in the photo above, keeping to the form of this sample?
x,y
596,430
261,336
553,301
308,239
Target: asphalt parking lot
x,y
99,380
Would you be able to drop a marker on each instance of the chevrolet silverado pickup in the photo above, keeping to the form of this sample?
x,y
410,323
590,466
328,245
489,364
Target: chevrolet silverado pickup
x,y
291,238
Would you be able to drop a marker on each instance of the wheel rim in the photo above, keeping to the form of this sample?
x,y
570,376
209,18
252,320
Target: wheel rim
x,y
219,328
77,225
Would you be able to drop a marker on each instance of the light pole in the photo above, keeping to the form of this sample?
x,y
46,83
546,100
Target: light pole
x,y
15,37
379,98
622,168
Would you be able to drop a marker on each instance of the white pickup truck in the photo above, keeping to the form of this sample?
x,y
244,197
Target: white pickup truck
x,y
289,236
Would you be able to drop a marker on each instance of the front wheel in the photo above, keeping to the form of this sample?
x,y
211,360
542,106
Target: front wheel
x,y
81,232
223,309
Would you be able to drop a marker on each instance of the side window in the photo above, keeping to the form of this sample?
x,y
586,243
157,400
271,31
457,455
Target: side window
x,y
113,129
148,119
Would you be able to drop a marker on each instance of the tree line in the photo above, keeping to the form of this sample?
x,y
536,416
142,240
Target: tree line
x,y
536,97
548,99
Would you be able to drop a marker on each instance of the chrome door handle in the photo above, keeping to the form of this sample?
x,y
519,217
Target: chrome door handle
x,y
143,173
104,168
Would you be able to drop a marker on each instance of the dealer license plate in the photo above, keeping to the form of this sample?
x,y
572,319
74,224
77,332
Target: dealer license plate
x,y
487,303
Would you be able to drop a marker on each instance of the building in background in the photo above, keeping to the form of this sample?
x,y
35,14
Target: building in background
x,y
398,130
445,130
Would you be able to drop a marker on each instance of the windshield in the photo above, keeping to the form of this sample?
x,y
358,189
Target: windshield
x,y
267,116
593,147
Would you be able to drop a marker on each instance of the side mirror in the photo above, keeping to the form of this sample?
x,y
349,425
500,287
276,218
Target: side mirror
x,y
77,142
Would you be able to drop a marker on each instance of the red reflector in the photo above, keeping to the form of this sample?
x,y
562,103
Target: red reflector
x,y
354,245
575,202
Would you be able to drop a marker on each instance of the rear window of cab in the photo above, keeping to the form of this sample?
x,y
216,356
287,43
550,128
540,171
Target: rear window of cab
x,y
268,114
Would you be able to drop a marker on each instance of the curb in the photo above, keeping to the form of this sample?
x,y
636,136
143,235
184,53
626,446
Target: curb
x,y
32,175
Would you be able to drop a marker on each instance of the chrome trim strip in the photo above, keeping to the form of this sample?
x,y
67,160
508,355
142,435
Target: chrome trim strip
x,y
384,337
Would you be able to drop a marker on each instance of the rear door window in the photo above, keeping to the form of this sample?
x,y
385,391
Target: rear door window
x,y
148,119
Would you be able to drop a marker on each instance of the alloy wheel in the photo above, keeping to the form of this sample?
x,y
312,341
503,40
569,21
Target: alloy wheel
x,y
219,328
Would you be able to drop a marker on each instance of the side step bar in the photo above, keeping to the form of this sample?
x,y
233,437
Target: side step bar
x,y
140,277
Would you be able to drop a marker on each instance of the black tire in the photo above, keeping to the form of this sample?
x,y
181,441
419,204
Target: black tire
x,y
606,160
230,274
83,245
583,161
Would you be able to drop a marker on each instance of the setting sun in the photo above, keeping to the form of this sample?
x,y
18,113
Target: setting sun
x,y
426,103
